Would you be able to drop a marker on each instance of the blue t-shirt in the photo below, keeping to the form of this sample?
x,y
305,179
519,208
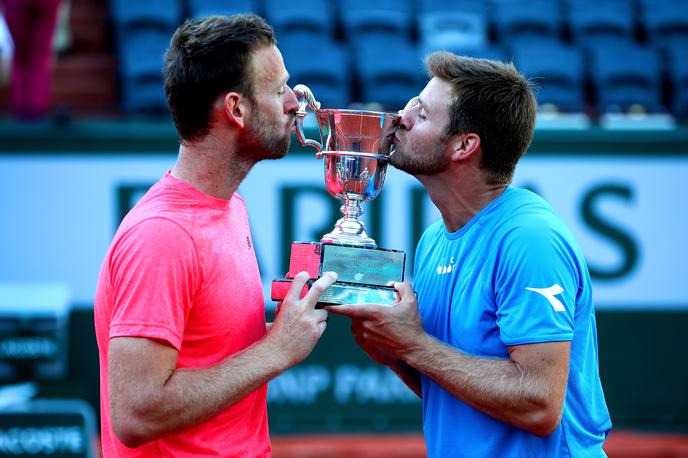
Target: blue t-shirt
x,y
512,275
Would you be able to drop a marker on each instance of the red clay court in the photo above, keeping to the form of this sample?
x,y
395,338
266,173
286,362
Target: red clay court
x,y
620,444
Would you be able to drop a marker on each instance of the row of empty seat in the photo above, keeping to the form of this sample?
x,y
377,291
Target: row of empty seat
x,y
510,19
596,56
616,76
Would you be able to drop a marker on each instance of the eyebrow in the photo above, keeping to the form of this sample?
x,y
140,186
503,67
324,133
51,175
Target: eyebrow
x,y
412,102
423,105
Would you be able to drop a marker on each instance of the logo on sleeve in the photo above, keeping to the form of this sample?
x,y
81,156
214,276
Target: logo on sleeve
x,y
550,294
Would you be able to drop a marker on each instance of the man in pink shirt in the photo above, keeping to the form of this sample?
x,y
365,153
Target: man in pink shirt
x,y
185,353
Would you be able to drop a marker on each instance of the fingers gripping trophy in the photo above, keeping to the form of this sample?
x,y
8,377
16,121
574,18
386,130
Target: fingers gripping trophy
x,y
356,147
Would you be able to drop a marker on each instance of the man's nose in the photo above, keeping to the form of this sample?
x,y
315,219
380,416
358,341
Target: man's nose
x,y
405,121
292,103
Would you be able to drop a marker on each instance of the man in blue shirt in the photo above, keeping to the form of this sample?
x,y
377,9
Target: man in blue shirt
x,y
500,343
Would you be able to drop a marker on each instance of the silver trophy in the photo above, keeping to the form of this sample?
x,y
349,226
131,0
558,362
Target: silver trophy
x,y
356,146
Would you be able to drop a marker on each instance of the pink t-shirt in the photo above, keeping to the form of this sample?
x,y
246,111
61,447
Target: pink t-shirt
x,y
181,269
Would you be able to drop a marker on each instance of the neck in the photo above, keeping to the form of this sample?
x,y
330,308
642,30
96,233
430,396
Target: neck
x,y
460,196
212,167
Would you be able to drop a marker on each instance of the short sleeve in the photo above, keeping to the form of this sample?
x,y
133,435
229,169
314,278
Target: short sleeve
x,y
154,272
536,285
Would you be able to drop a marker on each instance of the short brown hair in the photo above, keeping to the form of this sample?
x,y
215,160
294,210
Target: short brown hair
x,y
207,57
492,100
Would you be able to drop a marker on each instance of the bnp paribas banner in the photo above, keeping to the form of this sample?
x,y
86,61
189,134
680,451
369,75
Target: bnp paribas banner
x,y
628,213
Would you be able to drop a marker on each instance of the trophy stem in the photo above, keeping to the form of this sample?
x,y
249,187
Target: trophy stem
x,y
351,210
350,230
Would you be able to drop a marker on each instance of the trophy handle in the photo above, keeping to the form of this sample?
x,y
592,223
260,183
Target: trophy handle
x,y
306,99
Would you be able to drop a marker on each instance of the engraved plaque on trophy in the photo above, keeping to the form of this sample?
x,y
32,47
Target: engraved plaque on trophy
x,y
356,146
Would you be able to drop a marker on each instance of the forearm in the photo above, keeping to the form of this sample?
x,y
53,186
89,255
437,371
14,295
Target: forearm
x,y
497,387
151,397
190,396
408,375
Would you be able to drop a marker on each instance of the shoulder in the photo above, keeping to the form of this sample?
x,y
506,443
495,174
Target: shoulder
x,y
525,216
522,203
166,207
157,229
434,233
237,206
237,199
529,227
154,237
429,246
155,249
434,230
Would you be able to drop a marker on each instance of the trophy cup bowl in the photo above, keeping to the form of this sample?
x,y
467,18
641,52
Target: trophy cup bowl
x,y
356,145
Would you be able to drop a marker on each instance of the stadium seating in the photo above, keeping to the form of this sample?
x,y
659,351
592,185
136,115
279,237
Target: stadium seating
x,y
664,20
516,20
362,51
322,65
557,71
677,71
432,6
493,52
360,17
145,96
625,75
141,52
141,59
202,8
600,20
315,16
452,26
389,71
143,31
164,14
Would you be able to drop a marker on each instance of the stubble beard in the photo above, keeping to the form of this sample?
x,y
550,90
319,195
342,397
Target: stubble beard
x,y
417,160
264,140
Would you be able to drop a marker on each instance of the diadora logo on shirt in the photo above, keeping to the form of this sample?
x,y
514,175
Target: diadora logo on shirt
x,y
448,268
550,294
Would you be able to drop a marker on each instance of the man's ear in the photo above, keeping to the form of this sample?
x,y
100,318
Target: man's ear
x,y
464,146
235,109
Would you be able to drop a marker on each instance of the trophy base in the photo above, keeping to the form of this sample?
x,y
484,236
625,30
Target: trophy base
x,y
336,239
341,293
349,232
364,274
